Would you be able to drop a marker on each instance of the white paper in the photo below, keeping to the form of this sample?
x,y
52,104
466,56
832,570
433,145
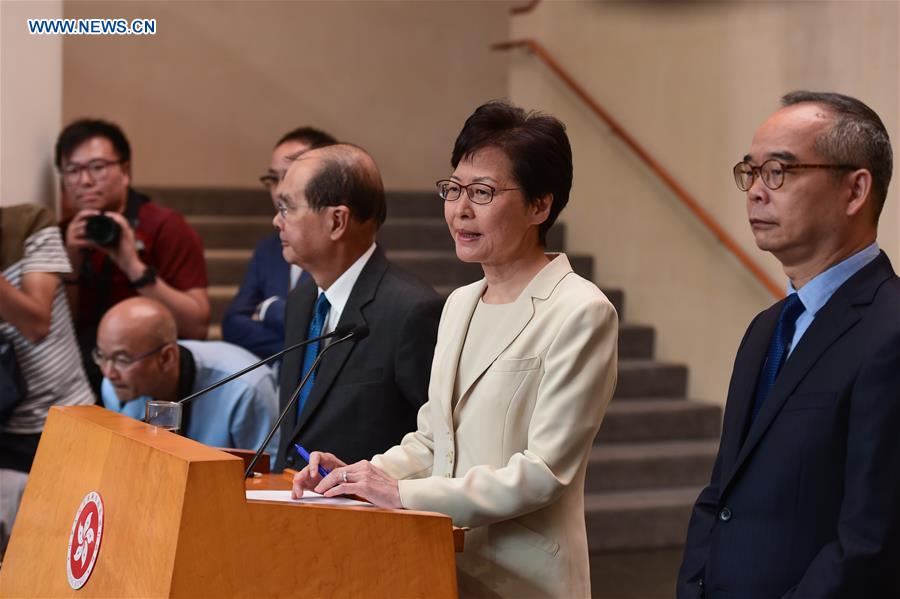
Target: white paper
x,y
308,497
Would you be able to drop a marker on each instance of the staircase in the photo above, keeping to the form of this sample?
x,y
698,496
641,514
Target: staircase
x,y
656,447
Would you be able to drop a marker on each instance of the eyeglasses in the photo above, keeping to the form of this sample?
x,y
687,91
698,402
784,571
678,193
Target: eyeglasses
x,y
98,170
269,180
119,360
478,193
772,172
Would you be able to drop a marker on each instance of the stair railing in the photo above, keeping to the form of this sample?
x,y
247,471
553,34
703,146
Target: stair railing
x,y
668,180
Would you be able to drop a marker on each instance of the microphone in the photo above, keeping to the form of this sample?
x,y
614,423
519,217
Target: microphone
x,y
338,332
356,333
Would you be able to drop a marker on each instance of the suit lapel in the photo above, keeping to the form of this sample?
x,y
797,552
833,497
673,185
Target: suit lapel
x,y
515,321
831,322
467,298
742,390
362,294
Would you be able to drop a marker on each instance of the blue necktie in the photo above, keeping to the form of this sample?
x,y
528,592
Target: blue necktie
x,y
778,349
312,350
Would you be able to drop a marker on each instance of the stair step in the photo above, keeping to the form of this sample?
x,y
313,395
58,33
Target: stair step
x,y
651,420
226,266
646,378
245,231
257,201
636,466
636,341
638,519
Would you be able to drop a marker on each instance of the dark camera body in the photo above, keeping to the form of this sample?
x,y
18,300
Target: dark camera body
x,y
102,230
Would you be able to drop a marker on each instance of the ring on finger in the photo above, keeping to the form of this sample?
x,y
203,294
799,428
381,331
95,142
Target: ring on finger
x,y
344,476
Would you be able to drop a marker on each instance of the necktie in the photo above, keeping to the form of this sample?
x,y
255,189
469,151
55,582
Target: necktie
x,y
778,349
312,350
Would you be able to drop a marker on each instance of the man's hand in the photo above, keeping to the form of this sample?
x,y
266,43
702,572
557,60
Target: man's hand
x,y
309,477
124,255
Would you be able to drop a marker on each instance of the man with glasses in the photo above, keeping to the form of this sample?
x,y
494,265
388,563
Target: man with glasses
x,y
255,318
804,494
140,360
120,243
364,396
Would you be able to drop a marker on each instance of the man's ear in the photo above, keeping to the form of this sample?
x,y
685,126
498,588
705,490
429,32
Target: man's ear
x,y
126,169
338,221
859,190
168,356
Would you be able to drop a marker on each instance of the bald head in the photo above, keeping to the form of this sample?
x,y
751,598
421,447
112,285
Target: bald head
x,y
345,175
140,323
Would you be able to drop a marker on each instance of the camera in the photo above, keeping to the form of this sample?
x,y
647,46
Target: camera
x,y
102,230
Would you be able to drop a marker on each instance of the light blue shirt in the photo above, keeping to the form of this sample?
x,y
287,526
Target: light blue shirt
x,y
238,414
820,288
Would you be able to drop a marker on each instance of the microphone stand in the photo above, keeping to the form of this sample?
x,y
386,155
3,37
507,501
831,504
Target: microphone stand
x,y
337,332
293,400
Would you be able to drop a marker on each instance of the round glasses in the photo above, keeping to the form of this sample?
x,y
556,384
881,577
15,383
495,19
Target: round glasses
x,y
97,169
479,193
119,360
772,172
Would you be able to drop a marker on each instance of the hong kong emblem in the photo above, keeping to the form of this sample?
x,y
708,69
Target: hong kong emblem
x,y
84,540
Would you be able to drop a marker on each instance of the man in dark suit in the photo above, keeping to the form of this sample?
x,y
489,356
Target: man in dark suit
x,y
255,317
364,396
804,498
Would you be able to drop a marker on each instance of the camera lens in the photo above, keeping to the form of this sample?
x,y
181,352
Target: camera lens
x,y
102,230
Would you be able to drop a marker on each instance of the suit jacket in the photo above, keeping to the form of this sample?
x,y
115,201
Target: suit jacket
x,y
366,394
267,275
510,460
809,504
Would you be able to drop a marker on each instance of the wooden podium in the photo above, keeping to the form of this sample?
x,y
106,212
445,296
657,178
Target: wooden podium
x,y
176,523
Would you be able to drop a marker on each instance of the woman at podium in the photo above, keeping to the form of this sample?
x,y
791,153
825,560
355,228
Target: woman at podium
x,y
524,367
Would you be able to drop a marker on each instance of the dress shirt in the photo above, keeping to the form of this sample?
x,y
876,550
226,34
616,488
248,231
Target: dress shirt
x,y
340,290
820,288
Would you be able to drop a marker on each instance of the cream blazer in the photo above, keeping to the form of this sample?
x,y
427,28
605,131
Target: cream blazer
x,y
510,462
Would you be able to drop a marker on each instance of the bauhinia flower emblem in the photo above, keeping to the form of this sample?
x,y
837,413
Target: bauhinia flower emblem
x,y
85,538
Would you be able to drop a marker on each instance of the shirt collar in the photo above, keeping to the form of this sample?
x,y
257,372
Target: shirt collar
x,y
820,288
339,292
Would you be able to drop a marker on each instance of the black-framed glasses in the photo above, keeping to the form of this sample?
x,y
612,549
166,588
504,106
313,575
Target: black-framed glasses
x,y
772,172
97,169
119,360
479,193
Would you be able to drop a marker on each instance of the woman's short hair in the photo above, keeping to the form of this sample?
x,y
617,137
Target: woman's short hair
x,y
537,147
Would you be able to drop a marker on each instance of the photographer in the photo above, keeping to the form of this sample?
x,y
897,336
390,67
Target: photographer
x,y
34,319
122,244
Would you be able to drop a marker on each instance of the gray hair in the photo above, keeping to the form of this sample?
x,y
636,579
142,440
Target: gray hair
x,y
858,137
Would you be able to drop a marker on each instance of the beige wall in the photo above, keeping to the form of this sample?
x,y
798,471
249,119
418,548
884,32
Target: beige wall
x,y
692,81
204,100
30,103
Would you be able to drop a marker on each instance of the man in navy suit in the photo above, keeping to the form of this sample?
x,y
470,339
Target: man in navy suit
x,y
255,318
804,498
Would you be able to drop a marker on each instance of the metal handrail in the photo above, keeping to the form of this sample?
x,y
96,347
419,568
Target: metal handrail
x,y
680,192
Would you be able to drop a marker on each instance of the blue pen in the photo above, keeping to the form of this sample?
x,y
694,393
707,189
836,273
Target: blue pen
x,y
305,455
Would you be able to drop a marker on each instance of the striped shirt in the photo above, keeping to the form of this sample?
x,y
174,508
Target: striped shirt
x,y
51,367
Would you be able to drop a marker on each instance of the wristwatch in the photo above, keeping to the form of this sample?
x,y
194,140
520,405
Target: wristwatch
x,y
148,278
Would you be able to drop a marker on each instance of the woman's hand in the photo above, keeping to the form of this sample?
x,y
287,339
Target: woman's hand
x,y
361,479
308,478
